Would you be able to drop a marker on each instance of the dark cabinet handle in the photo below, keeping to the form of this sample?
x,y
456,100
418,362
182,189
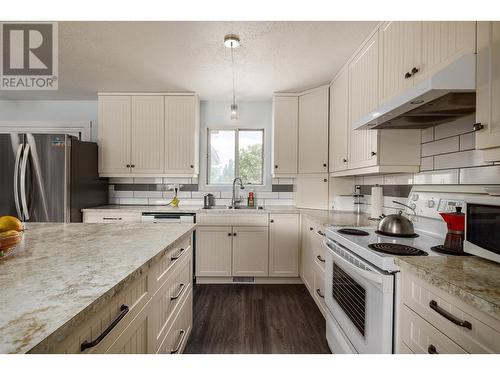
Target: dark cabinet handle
x,y
229,234
477,126
431,349
344,160
234,234
311,228
175,257
325,180
182,286
324,164
462,323
321,233
271,221
132,165
318,292
320,259
414,70
192,166
112,218
373,153
276,166
179,343
86,345
128,165
407,75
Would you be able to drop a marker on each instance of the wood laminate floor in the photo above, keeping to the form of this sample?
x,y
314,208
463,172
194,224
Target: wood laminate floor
x,y
279,319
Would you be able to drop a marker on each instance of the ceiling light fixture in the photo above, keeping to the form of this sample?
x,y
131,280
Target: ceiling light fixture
x,y
232,41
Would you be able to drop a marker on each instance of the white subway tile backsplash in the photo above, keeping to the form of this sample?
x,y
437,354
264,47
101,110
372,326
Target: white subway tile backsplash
x,y
191,202
180,194
470,158
479,176
176,180
114,200
121,194
121,180
427,164
158,202
359,180
267,194
457,127
285,195
278,202
148,180
226,194
427,135
137,201
286,181
467,141
398,179
440,147
373,180
448,177
201,194
275,181
147,194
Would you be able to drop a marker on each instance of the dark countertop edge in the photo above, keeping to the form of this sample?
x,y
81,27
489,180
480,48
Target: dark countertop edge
x,y
64,331
470,299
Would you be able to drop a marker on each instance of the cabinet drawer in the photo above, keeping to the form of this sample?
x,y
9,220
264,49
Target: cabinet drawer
x,y
176,338
250,219
319,288
162,267
482,337
168,298
134,296
112,217
319,250
422,338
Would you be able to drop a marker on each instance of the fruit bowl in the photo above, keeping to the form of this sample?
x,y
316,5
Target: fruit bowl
x,y
8,242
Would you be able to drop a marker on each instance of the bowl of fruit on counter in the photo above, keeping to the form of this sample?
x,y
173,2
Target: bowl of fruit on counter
x,y
11,230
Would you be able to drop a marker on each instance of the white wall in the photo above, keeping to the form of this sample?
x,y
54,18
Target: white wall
x,y
50,110
251,115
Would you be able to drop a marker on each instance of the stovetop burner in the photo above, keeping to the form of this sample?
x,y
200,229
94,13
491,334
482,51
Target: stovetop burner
x,y
353,232
414,235
396,249
444,250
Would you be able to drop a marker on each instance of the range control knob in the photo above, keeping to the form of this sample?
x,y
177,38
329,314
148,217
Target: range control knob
x,y
414,197
413,206
430,203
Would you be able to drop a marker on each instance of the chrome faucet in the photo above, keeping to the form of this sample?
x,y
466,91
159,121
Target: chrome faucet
x,y
234,200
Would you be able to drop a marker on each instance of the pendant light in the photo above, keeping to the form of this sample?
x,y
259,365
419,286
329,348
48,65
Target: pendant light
x,y
232,41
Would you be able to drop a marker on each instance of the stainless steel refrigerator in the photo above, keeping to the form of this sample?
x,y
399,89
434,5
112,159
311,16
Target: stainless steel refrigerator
x,y
49,177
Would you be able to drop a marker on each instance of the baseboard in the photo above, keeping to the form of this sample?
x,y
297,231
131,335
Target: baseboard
x,y
257,280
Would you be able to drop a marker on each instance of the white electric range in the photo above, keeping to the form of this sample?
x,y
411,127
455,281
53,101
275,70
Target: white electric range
x,y
362,279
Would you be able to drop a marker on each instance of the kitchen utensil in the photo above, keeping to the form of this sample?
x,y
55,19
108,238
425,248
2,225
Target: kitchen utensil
x,y
455,221
208,200
396,225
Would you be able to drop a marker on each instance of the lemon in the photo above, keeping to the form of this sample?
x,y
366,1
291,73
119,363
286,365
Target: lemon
x,y
10,223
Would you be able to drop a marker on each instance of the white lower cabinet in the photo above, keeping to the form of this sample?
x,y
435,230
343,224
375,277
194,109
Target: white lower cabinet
x,y
319,288
306,254
214,247
284,245
250,251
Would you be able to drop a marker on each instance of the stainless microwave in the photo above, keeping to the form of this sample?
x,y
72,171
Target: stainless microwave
x,y
482,227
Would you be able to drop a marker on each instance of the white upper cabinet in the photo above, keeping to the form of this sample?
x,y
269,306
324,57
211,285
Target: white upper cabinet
x,y
488,89
339,122
400,45
285,135
443,42
147,134
284,245
363,97
181,135
114,134
313,131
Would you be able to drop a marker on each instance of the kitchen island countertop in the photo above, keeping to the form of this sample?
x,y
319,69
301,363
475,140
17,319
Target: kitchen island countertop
x,y
61,272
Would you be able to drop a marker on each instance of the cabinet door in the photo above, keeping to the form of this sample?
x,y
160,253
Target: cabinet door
x,y
148,134
135,339
363,98
250,251
400,46
339,122
488,85
285,134
306,255
213,251
284,245
313,131
312,191
181,135
114,134
442,43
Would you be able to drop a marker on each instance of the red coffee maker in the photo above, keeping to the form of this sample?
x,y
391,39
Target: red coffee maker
x,y
453,243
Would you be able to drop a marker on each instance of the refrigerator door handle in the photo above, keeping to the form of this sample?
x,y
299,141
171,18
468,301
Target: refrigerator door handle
x,y
16,180
24,164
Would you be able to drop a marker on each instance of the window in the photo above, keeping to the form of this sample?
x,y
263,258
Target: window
x,y
235,153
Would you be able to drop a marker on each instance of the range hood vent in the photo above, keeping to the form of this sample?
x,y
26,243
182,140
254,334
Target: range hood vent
x,y
446,96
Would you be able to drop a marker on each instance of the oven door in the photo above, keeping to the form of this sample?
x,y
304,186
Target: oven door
x,y
360,298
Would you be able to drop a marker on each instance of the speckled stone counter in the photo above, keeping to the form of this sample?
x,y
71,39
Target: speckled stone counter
x,y
473,280
60,272
321,217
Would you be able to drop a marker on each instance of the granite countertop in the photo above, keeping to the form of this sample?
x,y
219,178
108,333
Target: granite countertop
x,y
322,217
60,272
473,280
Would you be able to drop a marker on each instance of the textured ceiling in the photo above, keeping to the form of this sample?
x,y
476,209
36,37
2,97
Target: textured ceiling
x,y
190,56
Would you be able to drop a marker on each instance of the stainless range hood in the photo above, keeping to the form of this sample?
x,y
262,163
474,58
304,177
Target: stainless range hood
x,y
445,96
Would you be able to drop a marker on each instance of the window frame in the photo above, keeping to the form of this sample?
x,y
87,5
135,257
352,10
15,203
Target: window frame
x,y
236,155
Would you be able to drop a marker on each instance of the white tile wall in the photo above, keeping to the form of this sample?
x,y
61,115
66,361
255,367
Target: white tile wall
x,y
450,129
427,164
467,141
440,147
470,158
448,177
482,175
427,135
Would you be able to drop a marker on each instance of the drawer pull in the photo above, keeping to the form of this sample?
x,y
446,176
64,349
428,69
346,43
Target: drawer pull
x,y
318,292
86,345
321,233
182,286
462,323
431,349
112,218
179,343
175,257
320,259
